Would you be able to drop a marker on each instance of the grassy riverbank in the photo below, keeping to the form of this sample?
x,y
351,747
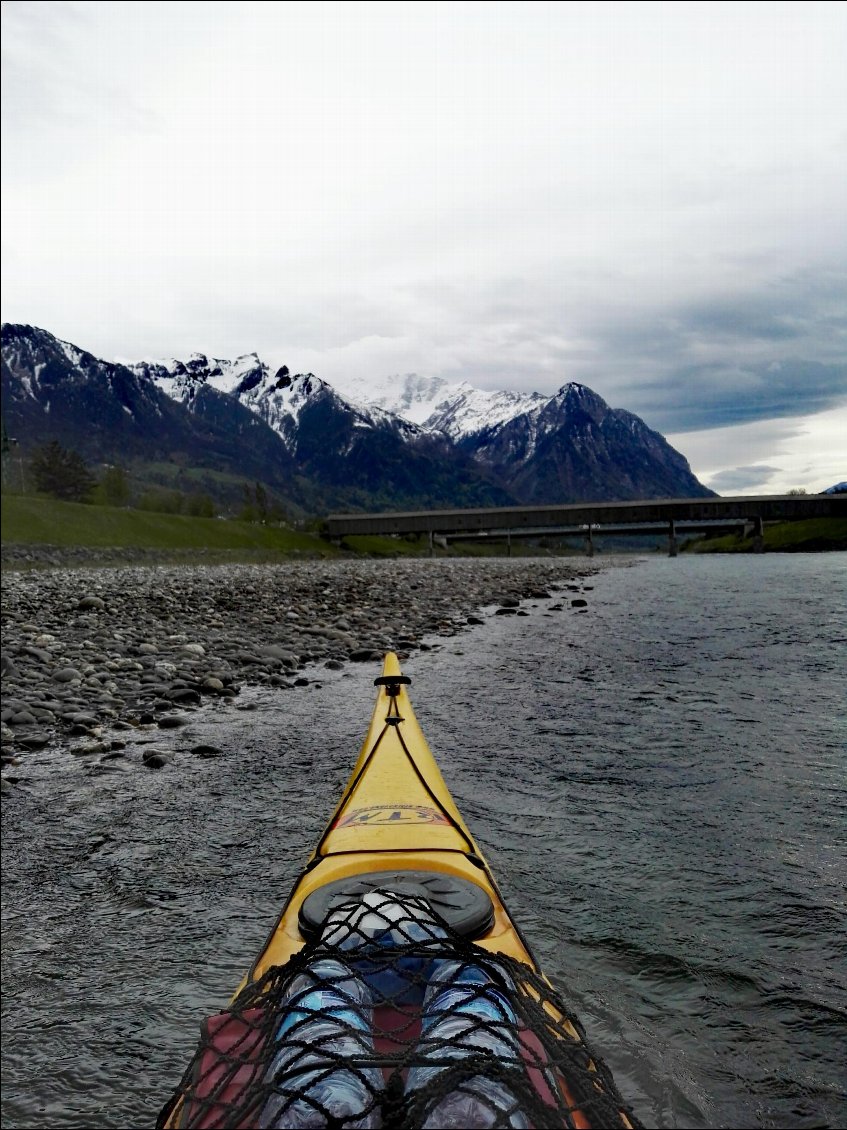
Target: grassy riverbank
x,y
811,535
34,521
30,520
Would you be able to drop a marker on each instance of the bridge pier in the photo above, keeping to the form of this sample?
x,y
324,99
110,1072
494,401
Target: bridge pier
x,y
673,547
589,543
758,535
432,543
508,543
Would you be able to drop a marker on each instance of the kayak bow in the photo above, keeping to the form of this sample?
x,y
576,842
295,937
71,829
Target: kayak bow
x,y
396,840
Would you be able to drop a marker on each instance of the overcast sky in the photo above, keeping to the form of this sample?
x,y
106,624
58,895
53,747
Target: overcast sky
x,y
647,198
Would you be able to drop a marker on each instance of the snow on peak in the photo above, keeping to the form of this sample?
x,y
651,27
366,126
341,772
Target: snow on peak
x,y
458,409
573,390
473,410
280,399
173,374
409,401
73,354
277,397
411,396
283,398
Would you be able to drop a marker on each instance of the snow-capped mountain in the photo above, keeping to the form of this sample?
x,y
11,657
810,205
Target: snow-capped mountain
x,y
453,445
574,447
177,378
456,409
108,412
410,396
469,411
236,419
542,448
279,398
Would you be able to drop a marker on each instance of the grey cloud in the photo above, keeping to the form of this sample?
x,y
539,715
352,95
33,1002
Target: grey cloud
x,y
694,398
742,478
777,351
774,352
722,321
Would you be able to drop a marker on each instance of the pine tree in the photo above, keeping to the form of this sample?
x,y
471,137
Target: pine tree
x,y
62,473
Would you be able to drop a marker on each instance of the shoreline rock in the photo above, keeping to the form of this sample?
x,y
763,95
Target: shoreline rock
x,y
86,649
26,556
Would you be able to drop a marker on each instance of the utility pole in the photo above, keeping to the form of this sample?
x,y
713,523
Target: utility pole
x,y
17,445
8,446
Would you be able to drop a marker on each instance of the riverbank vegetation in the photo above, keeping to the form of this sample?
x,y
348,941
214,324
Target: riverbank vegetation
x,y
42,523
39,521
34,520
810,535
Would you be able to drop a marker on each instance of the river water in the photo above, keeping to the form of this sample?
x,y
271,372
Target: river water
x,y
658,782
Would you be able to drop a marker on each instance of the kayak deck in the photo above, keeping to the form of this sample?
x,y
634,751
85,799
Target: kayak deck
x,y
396,814
395,970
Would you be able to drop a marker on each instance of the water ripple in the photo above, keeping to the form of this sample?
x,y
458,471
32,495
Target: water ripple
x,y
669,832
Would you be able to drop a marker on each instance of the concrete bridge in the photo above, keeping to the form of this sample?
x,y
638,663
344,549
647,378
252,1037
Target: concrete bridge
x,y
672,516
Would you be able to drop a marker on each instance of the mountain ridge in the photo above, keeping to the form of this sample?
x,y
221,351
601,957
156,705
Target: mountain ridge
x,y
323,449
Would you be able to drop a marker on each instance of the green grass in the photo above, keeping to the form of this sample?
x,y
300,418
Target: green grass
x,y
30,520
34,520
811,534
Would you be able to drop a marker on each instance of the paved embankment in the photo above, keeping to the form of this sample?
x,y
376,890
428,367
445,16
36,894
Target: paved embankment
x,y
87,653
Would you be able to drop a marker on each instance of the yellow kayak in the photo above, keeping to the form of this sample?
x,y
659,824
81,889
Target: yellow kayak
x,y
395,989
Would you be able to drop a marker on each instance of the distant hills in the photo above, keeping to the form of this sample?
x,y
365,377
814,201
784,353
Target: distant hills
x,y
402,443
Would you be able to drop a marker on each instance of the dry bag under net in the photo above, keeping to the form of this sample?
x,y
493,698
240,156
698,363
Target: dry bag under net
x,y
390,1017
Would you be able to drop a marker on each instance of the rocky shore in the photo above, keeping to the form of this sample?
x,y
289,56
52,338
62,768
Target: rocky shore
x,y
88,654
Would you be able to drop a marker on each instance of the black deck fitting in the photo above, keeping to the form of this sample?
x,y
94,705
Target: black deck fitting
x,y
392,683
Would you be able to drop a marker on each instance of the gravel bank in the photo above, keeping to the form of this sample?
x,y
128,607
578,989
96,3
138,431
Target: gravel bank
x,y
25,556
88,653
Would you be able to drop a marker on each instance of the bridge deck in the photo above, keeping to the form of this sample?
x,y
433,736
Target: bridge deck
x,y
766,508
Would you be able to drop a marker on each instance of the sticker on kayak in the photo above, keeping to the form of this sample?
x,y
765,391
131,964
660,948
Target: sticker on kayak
x,y
395,814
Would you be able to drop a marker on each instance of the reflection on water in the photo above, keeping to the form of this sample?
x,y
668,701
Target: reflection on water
x,y
671,839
